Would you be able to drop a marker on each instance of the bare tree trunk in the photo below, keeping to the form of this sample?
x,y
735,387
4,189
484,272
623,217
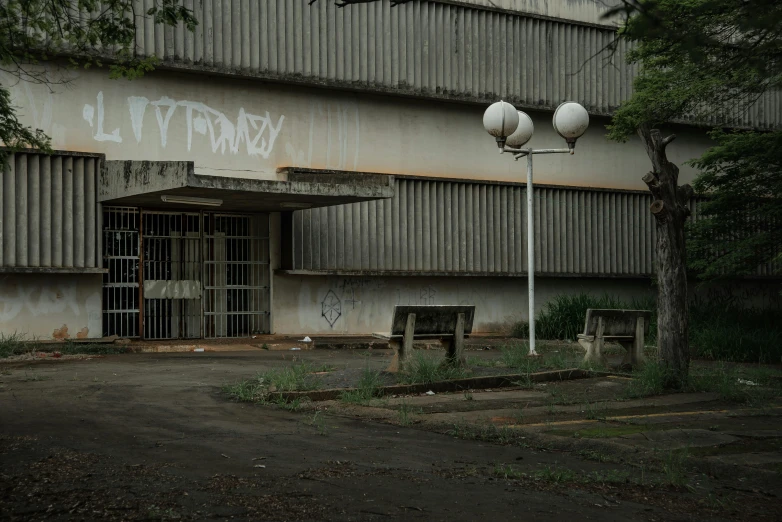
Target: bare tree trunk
x,y
670,211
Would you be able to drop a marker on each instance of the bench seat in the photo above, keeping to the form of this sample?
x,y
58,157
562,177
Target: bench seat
x,y
449,323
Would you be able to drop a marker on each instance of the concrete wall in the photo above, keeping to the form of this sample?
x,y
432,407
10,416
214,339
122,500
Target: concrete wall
x,y
362,305
340,305
242,128
51,306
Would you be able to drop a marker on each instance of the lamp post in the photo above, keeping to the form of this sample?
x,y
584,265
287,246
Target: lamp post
x,y
512,130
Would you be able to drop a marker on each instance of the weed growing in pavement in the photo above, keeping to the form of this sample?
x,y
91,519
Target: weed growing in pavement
x,y
488,433
368,388
597,456
555,474
264,387
426,369
16,344
608,476
404,414
468,395
319,422
506,471
73,348
649,380
753,386
674,468
296,377
595,411
481,362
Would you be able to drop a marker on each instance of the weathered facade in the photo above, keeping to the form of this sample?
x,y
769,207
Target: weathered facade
x,y
301,169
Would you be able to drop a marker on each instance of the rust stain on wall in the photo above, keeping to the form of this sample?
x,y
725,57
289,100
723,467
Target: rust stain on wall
x,y
82,334
61,333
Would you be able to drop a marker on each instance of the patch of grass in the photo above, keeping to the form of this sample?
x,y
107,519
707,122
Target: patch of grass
x,y
595,411
752,386
596,456
674,468
262,388
482,362
506,471
296,377
73,348
608,476
603,431
649,380
15,344
426,369
319,422
488,433
368,388
555,474
404,414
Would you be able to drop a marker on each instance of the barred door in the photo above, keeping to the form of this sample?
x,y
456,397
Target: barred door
x,y
175,275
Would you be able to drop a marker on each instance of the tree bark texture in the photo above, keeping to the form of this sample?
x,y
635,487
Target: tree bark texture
x,y
670,211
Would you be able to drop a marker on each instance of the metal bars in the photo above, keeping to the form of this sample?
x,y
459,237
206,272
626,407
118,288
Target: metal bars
x,y
121,292
236,275
201,275
171,246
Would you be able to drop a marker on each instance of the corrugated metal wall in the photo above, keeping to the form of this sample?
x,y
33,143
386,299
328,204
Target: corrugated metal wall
x,y
426,48
444,226
479,228
48,211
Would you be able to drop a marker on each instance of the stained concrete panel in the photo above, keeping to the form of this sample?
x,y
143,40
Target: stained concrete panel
x,y
51,306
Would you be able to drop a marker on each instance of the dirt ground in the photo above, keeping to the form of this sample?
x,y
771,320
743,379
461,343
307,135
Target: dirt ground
x,y
154,437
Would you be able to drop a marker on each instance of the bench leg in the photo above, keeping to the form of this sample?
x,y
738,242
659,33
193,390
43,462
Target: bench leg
x,y
635,350
455,347
403,351
594,349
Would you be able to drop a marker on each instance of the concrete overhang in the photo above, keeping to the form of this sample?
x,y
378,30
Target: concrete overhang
x,y
144,183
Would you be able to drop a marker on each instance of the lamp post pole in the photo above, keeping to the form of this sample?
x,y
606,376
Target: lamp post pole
x,y
515,128
520,153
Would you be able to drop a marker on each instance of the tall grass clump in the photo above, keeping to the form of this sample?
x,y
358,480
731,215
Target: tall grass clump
x,y
15,344
724,329
367,388
563,317
426,369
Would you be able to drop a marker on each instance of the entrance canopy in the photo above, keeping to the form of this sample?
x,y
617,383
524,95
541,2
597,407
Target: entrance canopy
x,y
174,184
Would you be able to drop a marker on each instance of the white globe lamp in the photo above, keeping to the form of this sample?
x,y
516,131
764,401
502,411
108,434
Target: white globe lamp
x,y
523,132
571,120
500,120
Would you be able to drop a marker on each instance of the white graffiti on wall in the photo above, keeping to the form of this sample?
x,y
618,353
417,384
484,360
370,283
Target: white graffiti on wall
x,y
41,300
252,133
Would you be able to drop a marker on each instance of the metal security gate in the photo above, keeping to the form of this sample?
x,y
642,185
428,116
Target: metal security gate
x,y
177,275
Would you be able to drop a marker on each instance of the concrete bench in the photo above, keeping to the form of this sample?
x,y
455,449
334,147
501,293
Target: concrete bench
x,y
448,324
626,327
